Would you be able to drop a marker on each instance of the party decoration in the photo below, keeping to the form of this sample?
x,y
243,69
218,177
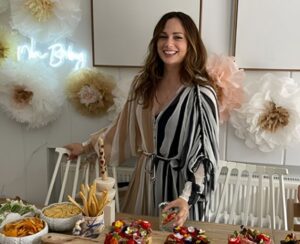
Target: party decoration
x,y
30,93
8,44
4,4
45,20
55,54
270,117
90,91
228,77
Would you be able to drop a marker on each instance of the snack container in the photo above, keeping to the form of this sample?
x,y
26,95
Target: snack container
x,y
60,224
104,185
166,218
30,239
90,227
111,194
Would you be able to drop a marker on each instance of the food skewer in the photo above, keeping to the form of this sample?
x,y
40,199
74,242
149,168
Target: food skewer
x,y
101,160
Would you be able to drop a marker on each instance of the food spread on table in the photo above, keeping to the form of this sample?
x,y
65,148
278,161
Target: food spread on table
x,y
185,234
92,222
23,227
290,239
92,205
61,210
138,231
18,207
249,236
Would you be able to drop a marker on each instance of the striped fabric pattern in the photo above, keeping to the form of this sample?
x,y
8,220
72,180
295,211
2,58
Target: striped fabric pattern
x,y
169,148
186,136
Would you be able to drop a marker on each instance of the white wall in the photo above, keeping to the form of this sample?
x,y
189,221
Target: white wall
x,y
23,161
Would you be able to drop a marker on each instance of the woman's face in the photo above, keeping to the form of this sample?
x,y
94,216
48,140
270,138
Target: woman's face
x,y
172,43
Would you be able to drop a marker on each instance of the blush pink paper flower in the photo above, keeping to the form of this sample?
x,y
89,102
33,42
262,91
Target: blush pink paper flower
x,y
228,77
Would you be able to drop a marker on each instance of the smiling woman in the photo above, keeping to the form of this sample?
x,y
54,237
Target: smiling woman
x,y
170,123
130,28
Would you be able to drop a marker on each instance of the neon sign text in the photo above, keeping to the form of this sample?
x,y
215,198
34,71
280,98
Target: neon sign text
x,y
57,54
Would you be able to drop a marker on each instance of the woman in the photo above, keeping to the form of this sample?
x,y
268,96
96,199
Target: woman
x,y
170,122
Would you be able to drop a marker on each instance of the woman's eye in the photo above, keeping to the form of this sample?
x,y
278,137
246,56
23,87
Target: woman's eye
x,y
178,37
162,37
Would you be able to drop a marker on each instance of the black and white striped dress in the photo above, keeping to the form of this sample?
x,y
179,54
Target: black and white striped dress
x,y
170,149
186,138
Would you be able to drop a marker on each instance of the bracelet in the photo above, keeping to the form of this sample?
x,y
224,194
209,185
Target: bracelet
x,y
85,147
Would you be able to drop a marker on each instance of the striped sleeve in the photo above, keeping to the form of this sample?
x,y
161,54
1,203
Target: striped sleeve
x,y
203,150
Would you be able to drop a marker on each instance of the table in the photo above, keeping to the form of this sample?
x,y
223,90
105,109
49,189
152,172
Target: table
x,y
217,233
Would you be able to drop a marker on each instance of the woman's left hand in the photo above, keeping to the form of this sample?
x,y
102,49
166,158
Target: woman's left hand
x,y
183,212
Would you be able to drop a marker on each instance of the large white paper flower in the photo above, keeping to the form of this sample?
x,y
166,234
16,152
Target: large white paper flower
x,y
3,5
228,77
270,117
30,93
8,44
45,20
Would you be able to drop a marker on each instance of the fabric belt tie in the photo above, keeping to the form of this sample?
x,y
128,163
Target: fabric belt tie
x,y
151,167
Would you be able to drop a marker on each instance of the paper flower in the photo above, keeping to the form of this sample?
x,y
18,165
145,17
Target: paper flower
x,y
8,45
30,93
228,77
3,5
45,20
271,116
90,91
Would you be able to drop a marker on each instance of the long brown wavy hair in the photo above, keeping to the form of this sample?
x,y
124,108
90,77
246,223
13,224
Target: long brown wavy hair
x,y
193,66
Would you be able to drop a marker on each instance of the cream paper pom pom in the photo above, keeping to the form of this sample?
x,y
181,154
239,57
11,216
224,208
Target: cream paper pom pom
x,y
30,93
270,118
90,91
45,20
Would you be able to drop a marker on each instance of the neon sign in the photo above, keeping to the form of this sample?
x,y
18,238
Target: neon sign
x,y
57,54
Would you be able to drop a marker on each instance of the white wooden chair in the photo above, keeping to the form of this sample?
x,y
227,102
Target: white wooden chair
x,y
248,194
89,169
60,166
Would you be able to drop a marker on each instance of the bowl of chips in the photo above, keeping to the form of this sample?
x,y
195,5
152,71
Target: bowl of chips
x,y
61,217
26,231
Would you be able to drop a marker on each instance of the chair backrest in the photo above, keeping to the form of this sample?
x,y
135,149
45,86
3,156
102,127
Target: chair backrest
x,y
65,169
248,194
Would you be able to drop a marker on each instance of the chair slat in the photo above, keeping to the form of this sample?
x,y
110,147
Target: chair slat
x,y
75,183
61,152
63,186
253,196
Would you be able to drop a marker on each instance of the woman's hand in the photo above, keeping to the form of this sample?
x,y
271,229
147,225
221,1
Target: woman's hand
x,y
183,212
75,149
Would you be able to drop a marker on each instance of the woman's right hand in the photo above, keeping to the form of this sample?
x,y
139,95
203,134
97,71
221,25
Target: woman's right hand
x,y
75,149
